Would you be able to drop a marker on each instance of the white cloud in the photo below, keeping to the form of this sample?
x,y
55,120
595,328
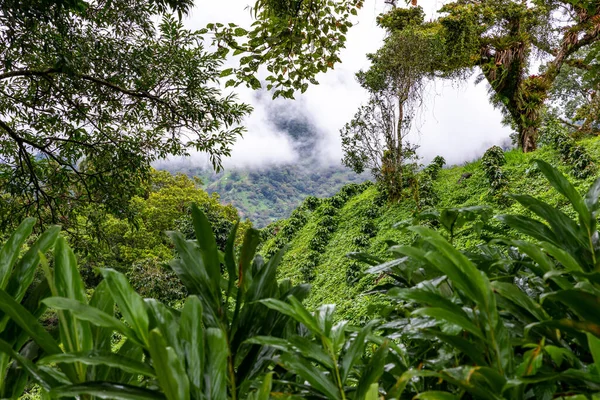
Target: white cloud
x,y
458,122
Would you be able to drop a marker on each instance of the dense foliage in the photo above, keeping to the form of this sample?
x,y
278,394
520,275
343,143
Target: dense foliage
x,y
92,93
515,318
500,38
267,194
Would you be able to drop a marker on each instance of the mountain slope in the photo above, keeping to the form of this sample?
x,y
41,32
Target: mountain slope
x,y
271,194
320,233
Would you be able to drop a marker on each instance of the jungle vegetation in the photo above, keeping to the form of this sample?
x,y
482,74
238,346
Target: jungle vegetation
x,y
465,282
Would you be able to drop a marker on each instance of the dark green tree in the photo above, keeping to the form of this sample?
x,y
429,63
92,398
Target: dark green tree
x,y
91,93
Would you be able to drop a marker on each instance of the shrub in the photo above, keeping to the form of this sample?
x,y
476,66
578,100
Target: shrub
x,y
492,162
150,278
311,203
433,169
353,273
579,161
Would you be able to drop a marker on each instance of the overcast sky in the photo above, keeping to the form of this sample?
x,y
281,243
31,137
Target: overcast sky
x,y
457,121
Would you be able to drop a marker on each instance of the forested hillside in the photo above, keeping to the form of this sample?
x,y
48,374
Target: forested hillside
x,y
322,232
266,195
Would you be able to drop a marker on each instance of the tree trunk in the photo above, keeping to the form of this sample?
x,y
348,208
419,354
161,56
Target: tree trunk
x,y
528,139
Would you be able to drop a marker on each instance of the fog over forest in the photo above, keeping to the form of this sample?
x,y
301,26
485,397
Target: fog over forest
x,y
456,121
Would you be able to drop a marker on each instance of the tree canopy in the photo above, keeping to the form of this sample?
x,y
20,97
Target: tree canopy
x,y
501,38
92,92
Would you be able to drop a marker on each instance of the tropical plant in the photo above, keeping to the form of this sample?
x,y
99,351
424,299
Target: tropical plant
x,y
514,320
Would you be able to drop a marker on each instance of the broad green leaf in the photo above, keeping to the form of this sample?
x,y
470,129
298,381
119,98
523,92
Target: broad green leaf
x,y
106,390
169,368
208,247
373,371
103,301
461,271
164,319
444,315
529,226
264,392
592,196
95,357
93,315
191,335
355,350
217,353
192,272
436,395
594,344
230,259
373,393
129,302
251,241
570,234
28,323
564,187
313,375
24,272
473,350
295,310
10,251
515,295
584,304
75,334
41,378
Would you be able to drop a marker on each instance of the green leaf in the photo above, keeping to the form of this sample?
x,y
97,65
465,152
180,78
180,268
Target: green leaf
x,y
251,241
450,317
592,196
208,247
372,373
564,187
264,392
105,390
10,251
41,378
216,363
373,393
129,302
76,335
295,310
93,315
515,295
594,344
24,272
529,226
28,323
191,335
95,357
436,395
313,375
191,270
169,368
584,304
103,301
355,350
230,259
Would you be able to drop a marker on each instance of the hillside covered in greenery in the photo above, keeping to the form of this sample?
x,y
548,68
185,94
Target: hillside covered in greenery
x,y
322,232
267,195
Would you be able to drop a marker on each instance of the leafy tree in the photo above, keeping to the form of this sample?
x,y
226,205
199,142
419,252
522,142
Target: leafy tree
x,y
576,93
500,37
92,92
295,39
375,138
